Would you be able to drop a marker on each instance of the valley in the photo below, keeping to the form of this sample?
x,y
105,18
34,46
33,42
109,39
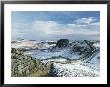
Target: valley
x,y
80,58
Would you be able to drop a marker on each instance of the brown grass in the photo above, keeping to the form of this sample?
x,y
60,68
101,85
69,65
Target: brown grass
x,y
39,73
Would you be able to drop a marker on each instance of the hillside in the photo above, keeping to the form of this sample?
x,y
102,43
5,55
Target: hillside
x,y
77,59
24,65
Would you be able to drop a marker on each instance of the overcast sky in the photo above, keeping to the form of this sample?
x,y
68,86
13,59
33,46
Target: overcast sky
x,y
54,25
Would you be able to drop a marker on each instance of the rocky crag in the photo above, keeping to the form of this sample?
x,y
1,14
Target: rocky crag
x,y
24,65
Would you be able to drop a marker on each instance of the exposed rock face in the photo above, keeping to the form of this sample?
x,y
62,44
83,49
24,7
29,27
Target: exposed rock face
x,y
23,65
62,43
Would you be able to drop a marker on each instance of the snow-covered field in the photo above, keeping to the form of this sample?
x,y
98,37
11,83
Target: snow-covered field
x,y
44,54
74,70
82,61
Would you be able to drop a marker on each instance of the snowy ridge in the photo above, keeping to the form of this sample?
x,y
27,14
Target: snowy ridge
x,y
73,70
78,59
